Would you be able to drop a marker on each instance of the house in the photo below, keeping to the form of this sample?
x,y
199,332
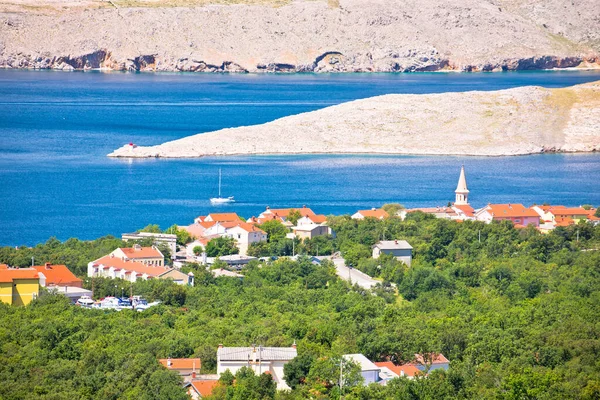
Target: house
x,y
225,272
389,370
245,234
150,256
516,213
219,217
189,248
200,388
432,360
165,238
197,229
58,275
282,215
564,216
186,367
260,359
400,249
235,261
178,277
372,213
438,212
19,286
113,267
368,370
312,219
310,231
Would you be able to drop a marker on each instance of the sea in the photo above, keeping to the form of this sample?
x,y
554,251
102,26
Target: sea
x,y
57,127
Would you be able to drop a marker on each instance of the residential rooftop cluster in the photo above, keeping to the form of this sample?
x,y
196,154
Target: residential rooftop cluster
x,y
271,360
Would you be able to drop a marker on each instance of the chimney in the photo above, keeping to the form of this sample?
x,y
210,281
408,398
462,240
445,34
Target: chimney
x,y
304,206
373,209
48,266
220,346
294,344
395,242
194,374
401,372
169,362
268,208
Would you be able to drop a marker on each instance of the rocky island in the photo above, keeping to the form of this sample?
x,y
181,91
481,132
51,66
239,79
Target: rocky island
x,y
300,35
525,120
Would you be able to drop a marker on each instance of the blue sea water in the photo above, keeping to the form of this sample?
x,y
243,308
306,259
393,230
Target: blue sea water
x,y
57,127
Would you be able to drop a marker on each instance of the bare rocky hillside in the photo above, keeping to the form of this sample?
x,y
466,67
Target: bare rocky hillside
x,y
302,35
516,121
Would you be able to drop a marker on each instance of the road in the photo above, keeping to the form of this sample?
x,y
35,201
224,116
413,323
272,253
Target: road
x,y
355,276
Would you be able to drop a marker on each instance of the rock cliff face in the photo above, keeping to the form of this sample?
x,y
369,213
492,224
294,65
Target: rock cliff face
x,y
517,121
300,36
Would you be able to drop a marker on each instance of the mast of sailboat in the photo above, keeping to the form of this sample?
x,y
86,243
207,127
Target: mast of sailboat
x,y
219,182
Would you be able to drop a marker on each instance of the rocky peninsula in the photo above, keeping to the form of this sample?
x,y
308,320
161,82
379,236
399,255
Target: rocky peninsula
x,y
299,35
525,120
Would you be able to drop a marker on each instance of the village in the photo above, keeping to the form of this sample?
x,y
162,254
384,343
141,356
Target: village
x,y
20,286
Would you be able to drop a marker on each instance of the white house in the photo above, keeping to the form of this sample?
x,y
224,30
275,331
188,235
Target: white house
x,y
372,213
368,370
146,255
245,234
400,249
309,231
260,359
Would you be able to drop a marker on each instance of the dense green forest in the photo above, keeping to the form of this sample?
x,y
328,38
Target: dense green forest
x,y
516,312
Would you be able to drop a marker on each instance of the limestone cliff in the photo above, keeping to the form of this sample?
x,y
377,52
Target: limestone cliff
x,y
517,121
301,35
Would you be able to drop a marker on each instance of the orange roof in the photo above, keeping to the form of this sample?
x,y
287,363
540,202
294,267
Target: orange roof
x,y
511,211
204,387
568,211
223,217
3,266
317,218
407,369
116,262
57,274
438,359
10,274
377,213
467,209
141,252
560,221
249,227
197,230
181,363
284,212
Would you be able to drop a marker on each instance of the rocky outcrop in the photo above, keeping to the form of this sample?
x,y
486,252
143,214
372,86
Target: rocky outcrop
x,y
303,36
516,121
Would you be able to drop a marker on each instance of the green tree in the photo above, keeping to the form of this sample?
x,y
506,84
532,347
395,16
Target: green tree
x,y
296,371
275,230
152,228
392,208
198,250
294,216
221,246
183,236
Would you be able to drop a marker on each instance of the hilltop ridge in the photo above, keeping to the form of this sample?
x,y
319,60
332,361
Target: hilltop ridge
x,y
516,121
299,36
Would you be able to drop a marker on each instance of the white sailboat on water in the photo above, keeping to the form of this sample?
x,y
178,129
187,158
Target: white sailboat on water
x,y
221,200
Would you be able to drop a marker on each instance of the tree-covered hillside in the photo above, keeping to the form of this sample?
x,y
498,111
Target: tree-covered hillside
x,y
516,314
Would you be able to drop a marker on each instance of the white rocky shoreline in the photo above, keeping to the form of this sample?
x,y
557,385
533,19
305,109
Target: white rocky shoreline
x,y
519,121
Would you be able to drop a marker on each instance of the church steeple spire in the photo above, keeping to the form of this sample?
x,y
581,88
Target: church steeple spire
x,y
462,193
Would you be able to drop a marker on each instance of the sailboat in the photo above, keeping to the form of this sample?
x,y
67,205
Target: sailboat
x,y
221,200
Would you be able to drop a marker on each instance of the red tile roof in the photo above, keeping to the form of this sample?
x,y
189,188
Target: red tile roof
x,y
317,218
407,369
58,275
437,359
223,217
141,252
181,363
204,387
249,227
564,211
467,209
10,274
130,265
511,211
285,212
377,213
560,221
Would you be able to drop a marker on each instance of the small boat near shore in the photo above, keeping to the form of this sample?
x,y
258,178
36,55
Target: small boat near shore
x,y
85,301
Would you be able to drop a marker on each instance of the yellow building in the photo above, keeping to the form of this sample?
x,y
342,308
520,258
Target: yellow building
x,y
18,286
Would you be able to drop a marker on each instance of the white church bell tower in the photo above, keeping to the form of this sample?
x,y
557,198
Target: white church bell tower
x,y
462,193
